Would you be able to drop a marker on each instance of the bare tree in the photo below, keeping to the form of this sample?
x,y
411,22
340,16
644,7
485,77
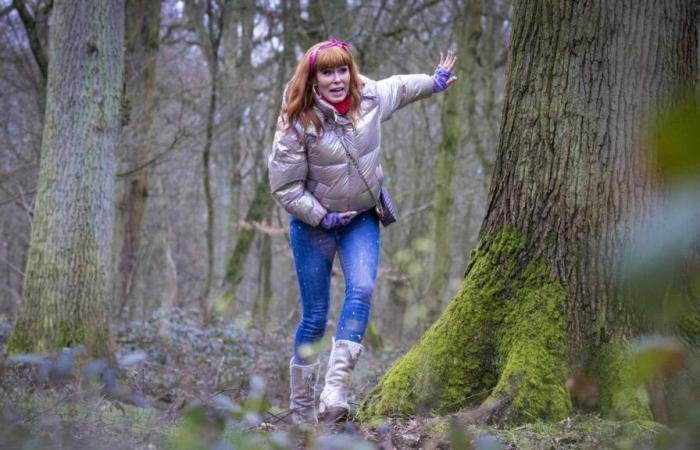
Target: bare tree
x,y
141,34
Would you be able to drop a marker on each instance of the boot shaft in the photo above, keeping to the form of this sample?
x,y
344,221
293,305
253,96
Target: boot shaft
x,y
303,381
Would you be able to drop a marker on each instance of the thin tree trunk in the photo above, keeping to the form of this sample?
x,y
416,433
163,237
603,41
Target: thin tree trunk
x,y
208,197
262,306
214,34
237,70
542,296
67,283
142,35
454,129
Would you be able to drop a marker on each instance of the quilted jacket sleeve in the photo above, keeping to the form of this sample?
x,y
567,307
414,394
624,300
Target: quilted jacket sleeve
x,y
399,90
288,169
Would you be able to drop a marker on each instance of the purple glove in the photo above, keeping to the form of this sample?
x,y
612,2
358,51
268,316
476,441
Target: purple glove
x,y
333,220
440,78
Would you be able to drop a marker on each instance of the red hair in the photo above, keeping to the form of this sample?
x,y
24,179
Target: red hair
x,y
299,97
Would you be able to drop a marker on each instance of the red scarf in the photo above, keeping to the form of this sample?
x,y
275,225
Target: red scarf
x,y
342,106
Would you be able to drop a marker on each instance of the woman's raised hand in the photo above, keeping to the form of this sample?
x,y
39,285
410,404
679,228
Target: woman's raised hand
x,y
443,78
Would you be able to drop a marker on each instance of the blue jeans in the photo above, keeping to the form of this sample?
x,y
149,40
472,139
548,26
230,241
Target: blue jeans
x,y
314,249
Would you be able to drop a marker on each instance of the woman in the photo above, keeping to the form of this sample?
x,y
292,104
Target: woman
x,y
325,171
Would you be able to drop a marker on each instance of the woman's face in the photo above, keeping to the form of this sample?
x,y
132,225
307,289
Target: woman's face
x,y
333,83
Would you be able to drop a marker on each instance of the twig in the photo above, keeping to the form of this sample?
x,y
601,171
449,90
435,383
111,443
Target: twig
x,y
218,370
12,266
262,228
17,197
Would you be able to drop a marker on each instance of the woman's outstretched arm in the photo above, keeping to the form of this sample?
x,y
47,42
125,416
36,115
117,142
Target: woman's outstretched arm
x,y
400,90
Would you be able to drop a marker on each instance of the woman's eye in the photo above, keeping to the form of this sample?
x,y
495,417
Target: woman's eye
x,y
326,72
343,69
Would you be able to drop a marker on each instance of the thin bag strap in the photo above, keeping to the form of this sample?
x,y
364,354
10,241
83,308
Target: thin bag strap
x,y
357,167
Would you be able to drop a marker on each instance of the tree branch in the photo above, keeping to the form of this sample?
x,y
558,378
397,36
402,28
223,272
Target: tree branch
x,y
29,23
6,10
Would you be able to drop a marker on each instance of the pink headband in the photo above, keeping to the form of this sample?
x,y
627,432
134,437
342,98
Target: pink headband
x,y
333,42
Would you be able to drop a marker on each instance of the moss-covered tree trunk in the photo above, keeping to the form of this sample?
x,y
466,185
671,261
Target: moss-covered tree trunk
x,y
259,211
142,39
541,299
454,129
68,274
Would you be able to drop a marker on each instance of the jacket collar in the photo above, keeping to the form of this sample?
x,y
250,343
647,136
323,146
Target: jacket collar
x,y
327,112
324,107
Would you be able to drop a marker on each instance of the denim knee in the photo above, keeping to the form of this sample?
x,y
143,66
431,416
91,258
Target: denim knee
x,y
314,327
362,292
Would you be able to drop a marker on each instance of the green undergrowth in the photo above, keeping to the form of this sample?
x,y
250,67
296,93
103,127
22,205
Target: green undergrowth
x,y
504,329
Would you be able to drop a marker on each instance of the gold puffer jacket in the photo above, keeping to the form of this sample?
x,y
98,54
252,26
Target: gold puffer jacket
x,y
311,175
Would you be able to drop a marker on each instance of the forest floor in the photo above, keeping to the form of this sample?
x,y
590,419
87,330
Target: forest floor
x,y
179,386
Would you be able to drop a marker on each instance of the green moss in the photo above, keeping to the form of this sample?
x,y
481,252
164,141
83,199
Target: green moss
x,y
70,334
66,334
505,328
19,342
534,347
618,396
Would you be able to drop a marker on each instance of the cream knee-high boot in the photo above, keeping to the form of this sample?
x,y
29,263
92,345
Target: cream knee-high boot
x,y
333,404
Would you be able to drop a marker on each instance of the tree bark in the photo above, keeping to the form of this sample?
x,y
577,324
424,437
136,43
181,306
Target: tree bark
x,y
67,283
542,297
142,35
454,131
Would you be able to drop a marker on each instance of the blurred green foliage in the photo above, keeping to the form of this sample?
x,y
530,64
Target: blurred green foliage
x,y
662,272
675,142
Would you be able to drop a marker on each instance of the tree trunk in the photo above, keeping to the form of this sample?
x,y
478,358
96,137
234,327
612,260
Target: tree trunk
x,y
262,305
259,212
208,196
67,283
453,132
141,34
211,39
237,70
542,298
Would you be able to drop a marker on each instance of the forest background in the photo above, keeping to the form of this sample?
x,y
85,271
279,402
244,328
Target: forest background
x,y
202,280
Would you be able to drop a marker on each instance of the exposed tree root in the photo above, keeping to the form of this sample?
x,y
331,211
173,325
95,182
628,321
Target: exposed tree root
x,y
491,411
